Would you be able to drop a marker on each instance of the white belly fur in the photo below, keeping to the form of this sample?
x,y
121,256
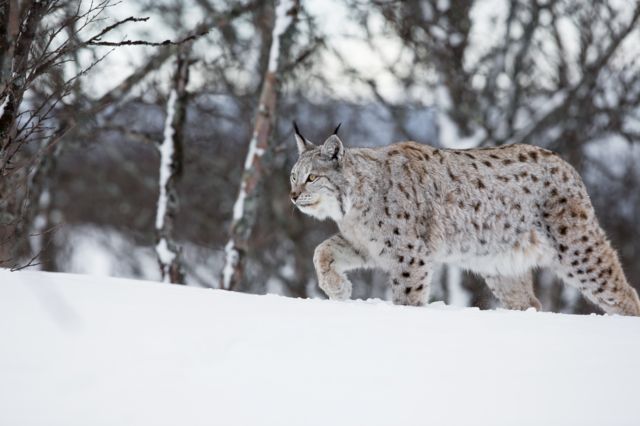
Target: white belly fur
x,y
513,262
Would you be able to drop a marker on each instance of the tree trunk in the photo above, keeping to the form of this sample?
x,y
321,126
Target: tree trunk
x,y
169,255
255,169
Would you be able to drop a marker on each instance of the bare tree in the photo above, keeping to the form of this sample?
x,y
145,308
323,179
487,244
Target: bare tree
x,y
169,256
245,208
37,38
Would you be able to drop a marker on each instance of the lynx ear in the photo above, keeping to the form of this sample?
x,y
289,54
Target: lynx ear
x,y
332,149
301,141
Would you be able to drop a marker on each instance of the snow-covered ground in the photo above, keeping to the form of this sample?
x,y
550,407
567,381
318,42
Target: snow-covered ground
x,y
81,350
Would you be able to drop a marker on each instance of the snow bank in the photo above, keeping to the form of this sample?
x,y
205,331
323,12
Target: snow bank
x,y
80,350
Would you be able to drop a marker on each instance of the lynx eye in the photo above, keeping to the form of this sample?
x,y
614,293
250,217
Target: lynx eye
x,y
311,178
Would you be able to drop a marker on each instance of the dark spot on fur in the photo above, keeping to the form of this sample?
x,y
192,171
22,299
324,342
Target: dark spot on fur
x,y
562,200
526,190
563,248
480,184
407,290
406,274
410,246
522,158
507,161
421,262
488,164
469,155
420,287
563,230
400,259
534,156
396,231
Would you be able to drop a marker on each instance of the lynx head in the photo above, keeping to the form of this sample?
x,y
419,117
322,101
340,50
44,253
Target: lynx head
x,y
316,178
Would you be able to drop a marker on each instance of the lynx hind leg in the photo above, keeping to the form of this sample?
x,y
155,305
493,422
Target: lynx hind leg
x,y
514,292
410,283
587,261
332,258
584,258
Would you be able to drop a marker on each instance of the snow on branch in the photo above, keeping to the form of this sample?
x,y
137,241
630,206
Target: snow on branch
x,y
170,166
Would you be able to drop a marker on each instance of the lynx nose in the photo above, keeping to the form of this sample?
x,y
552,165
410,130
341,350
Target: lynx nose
x,y
294,195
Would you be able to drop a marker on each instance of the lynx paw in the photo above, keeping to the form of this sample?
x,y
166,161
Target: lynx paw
x,y
335,286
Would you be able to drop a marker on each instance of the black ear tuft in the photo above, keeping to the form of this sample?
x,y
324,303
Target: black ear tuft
x,y
335,132
301,141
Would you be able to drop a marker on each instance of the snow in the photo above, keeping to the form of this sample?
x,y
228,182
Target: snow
x,y
283,20
3,104
254,151
458,296
231,261
166,157
79,350
166,256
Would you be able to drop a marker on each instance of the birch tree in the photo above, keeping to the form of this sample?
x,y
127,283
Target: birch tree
x,y
170,169
255,168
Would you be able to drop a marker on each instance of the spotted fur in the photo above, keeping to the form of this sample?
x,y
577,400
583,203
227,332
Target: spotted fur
x,y
499,212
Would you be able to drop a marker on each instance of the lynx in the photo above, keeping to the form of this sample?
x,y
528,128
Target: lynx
x,y
499,212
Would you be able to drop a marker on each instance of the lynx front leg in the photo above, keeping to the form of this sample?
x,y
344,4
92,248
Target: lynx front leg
x,y
332,258
410,282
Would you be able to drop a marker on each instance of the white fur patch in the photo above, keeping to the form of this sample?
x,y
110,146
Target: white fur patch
x,y
513,262
326,207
